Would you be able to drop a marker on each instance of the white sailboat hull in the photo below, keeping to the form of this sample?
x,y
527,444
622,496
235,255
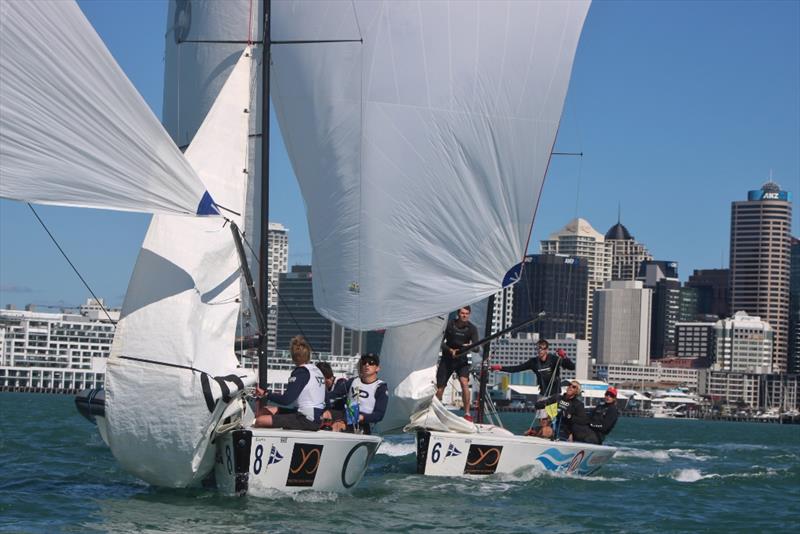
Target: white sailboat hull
x,y
500,452
264,462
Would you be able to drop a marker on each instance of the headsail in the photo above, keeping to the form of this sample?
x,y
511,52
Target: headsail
x,y
73,129
420,133
180,313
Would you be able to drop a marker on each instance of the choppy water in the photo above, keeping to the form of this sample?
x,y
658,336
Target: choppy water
x,y
56,475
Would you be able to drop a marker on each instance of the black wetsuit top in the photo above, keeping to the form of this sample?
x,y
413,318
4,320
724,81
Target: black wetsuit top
x,y
572,418
544,372
455,337
602,419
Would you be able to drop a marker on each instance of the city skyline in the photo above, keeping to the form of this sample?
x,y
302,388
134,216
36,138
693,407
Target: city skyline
x,y
672,131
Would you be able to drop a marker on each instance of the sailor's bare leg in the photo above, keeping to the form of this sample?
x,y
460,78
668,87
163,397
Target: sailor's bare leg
x,y
439,393
465,393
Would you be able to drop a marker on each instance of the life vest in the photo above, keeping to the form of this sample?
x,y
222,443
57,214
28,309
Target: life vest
x,y
363,394
313,394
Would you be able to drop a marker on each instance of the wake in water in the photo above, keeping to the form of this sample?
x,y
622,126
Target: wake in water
x,y
661,455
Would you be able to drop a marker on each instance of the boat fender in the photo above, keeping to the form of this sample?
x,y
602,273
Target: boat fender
x,y
221,381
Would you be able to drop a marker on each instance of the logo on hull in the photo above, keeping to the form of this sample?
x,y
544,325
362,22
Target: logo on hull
x,y
482,459
305,463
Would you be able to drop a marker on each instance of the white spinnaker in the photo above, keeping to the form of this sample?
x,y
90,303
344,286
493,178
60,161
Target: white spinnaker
x,y
181,309
421,148
408,365
73,129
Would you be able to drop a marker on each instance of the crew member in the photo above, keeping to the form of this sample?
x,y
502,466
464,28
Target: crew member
x,y
459,333
304,396
366,396
604,417
573,423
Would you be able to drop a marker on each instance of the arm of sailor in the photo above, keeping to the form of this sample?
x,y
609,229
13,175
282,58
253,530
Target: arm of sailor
x,y
526,366
381,401
297,381
544,402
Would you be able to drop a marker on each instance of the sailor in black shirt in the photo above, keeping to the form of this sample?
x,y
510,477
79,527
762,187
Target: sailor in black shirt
x,y
458,334
604,417
546,366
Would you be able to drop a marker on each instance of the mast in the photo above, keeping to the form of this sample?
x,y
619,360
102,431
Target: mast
x,y
263,270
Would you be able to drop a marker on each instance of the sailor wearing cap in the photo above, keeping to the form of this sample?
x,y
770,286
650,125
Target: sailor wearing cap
x,y
367,392
604,416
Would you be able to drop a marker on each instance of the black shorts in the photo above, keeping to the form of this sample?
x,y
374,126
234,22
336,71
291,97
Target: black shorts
x,y
293,421
449,365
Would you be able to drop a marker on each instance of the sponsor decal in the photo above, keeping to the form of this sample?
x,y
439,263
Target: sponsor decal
x,y
452,451
306,459
576,461
274,456
482,459
370,453
581,462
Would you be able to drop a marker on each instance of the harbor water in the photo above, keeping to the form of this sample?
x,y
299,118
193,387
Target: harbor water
x,y
668,476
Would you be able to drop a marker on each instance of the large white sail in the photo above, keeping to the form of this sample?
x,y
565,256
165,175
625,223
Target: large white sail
x,y
172,356
73,129
420,133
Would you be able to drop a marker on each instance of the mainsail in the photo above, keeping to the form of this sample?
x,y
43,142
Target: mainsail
x,y
73,129
172,357
420,133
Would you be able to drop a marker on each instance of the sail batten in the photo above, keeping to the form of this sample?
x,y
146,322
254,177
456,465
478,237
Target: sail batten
x,y
73,129
430,141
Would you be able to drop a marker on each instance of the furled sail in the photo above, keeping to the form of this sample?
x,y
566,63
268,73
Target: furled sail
x,y
73,129
420,133
172,358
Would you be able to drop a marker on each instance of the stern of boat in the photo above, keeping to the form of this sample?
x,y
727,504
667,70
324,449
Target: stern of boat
x,y
262,462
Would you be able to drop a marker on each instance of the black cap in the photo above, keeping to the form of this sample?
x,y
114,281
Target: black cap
x,y
371,357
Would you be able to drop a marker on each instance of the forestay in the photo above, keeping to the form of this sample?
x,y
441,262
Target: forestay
x,y
420,140
180,312
73,129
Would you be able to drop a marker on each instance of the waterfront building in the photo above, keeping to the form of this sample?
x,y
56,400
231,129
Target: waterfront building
x,y
662,278
640,377
626,253
578,238
759,274
743,344
713,291
793,361
754,390
622,323
278,247
503,311
555,284
695,339
55,351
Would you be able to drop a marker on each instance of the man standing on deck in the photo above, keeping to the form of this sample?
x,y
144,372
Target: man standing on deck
x,y
546,366
460,332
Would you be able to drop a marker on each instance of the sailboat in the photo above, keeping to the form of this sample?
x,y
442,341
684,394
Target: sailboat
x,y
75,132
432,126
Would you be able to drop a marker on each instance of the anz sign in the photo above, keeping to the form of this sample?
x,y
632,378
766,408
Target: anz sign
x,y
769,195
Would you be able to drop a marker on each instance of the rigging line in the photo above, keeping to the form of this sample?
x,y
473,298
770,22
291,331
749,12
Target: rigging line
x,y
99,302
250,25
280,297
321,41
214,41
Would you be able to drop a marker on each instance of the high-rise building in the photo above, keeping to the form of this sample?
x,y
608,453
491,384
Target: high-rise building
x,y
621,331
503,310
578,238
794,308
760,243
278,259
296,312
554,284
743,344
713,291
626,253
688,307
662,278
695,339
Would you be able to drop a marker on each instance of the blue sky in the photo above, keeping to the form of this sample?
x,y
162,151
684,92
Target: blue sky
x,y
679,107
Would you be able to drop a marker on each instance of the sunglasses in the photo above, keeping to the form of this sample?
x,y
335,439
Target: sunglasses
x,y
368,362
